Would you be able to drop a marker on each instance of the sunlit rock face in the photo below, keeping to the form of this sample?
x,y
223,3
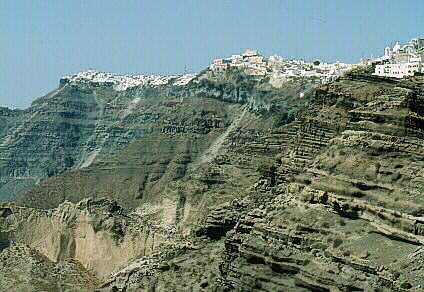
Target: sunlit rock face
x,y
99,234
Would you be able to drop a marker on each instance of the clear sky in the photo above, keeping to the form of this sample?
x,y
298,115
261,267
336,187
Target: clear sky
x,y
40,41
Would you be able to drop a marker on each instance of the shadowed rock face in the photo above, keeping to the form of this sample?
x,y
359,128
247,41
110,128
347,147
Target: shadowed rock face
x,y
156,132
227,189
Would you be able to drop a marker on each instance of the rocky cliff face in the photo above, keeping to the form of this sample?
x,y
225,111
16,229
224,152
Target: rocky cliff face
x,y
316,221
345,213
85,121
224,183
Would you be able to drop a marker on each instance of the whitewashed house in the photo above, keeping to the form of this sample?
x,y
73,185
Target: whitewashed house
x,y
402,60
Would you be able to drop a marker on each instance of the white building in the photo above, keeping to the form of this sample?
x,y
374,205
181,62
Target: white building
x,y
250,53
402,60
398,70
219,65
250,60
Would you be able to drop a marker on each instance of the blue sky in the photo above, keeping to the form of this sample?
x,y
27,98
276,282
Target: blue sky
x,y
40,41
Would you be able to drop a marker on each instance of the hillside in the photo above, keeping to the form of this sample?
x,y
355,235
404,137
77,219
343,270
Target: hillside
x,y
222,182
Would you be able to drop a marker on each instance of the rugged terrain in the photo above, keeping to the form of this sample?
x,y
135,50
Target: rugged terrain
x,y
224,183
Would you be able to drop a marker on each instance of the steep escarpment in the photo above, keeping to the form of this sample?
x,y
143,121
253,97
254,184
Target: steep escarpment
x,y
330,213
140,140
68,129
47,138
170,155
227,184
86,121
345,212
177,136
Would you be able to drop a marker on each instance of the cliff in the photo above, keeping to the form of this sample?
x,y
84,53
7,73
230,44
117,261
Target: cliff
x,y
339,209
223,183
87,121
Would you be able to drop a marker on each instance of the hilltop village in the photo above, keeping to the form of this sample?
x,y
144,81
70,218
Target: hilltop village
x,y
279,68
401,61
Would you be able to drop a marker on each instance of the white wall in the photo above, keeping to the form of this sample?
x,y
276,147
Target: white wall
x,y
399,70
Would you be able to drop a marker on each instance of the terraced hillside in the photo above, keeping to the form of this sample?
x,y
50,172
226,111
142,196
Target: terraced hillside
x,y
223,184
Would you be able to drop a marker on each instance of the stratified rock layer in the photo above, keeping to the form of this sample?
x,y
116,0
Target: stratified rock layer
x,y
346,213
